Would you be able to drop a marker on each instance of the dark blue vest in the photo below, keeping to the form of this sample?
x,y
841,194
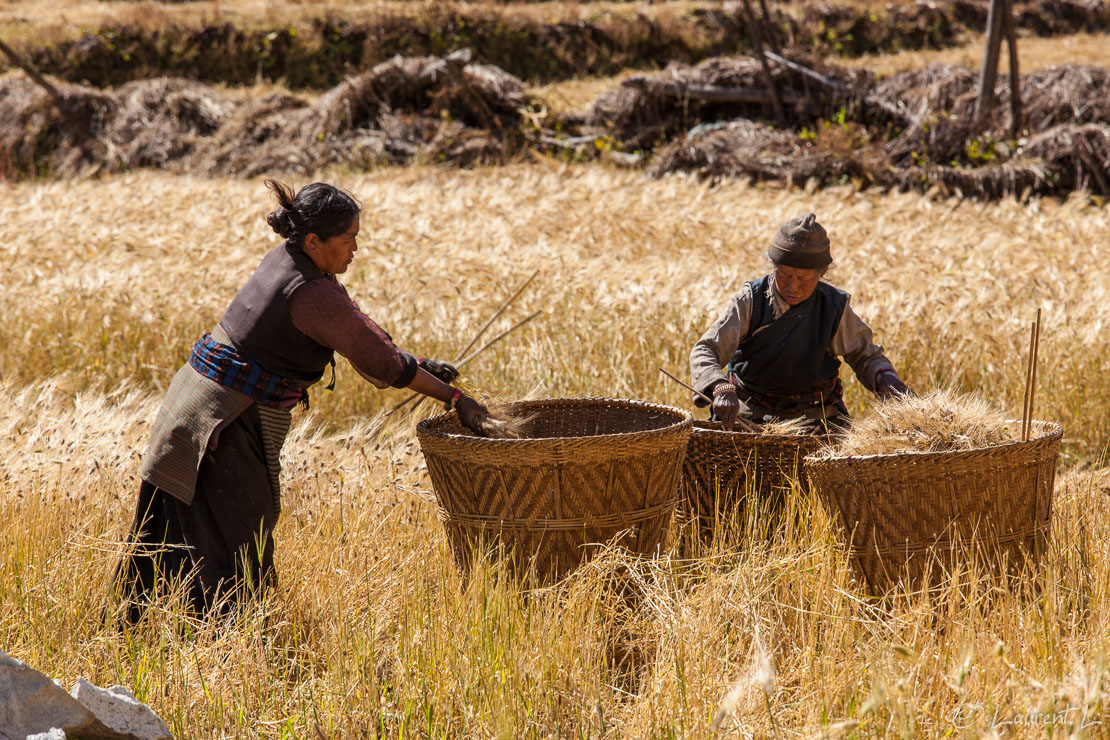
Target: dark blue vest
x,y
792,353
258,321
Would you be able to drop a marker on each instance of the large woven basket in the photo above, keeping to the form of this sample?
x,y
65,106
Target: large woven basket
x,y
585,471
919,513
725,471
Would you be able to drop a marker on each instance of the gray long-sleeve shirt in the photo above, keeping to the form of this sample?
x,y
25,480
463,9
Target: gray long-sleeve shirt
x,y
853,341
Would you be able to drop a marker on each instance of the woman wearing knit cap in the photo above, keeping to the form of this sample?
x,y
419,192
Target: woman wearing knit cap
x,y
774,352
209,495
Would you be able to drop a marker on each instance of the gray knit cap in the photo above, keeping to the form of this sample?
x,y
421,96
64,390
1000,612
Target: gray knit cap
x,y
801,242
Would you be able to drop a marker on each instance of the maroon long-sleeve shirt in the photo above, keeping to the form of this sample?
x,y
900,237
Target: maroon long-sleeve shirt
x,y
324,310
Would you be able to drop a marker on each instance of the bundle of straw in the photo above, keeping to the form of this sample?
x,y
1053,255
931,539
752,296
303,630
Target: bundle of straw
x,y
504,420
503,423
787,428
941,421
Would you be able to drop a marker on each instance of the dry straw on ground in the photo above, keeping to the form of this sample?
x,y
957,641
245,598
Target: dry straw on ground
x,y
939,421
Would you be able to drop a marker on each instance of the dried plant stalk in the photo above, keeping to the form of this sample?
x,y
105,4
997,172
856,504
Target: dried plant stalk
x,y
787,428
503,423
940,421
504,420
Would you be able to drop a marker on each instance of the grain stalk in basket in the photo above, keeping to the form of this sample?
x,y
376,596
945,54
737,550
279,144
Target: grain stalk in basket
x,y
504,420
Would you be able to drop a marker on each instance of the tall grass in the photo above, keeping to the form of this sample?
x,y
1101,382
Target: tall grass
x,y
373,631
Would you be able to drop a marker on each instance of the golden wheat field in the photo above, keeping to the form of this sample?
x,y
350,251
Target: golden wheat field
x,y
373,632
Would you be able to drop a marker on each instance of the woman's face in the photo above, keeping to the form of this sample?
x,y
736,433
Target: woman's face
x,y
335,254
795,284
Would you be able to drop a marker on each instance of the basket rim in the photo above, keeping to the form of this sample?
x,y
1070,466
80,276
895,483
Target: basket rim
x,y
683,419
1054,432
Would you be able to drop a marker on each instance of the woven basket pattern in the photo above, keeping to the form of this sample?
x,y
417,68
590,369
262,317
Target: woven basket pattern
x,y
723,470
584,471
910,514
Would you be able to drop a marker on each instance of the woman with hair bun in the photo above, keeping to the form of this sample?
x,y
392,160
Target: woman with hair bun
x,y
209,496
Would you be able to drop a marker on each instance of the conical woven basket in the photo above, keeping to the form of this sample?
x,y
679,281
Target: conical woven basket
x,y
919,514
725,471
585,471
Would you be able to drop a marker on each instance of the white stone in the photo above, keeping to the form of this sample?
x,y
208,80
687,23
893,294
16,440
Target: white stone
x,y
33,704
119,710
52,734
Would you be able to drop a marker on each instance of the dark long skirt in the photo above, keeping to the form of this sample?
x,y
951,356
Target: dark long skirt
x,y
221,545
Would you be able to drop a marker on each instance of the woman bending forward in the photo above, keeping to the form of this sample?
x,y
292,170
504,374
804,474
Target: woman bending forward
x,y
209,497
774,354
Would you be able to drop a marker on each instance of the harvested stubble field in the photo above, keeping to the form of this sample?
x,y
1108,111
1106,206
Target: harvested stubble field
x,y
373,631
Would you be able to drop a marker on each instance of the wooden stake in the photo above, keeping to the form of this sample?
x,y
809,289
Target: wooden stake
x,y
1015,81
1031,378
756,29
1028,379
769,25
988,75
1032,383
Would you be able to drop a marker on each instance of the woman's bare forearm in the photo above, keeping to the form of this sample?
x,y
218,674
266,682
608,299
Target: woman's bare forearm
x,y
428,384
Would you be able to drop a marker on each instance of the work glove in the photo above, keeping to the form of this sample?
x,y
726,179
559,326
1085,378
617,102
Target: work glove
x,y
445,371
888,385
471,413
726,404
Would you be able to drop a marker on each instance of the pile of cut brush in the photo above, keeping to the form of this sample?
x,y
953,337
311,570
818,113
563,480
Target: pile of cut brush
x,y
422,108
941,421
913,130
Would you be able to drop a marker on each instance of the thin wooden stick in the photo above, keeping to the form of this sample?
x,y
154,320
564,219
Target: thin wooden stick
x,y
745,424
498,338
1028,380
462,353
1033,383
508,302
30,71
468,358
687,387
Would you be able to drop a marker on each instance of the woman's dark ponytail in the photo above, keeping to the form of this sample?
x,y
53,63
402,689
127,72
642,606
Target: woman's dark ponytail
x,y
319,209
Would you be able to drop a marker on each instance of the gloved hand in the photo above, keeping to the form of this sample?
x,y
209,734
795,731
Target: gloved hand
x,y
445,371
470,413
888,385
726,404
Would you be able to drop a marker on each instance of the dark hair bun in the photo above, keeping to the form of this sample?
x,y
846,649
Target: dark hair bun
x,y
319,209
281,221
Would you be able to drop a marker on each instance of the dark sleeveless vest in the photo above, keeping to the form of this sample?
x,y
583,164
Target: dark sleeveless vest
x,y
258,321
792,353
